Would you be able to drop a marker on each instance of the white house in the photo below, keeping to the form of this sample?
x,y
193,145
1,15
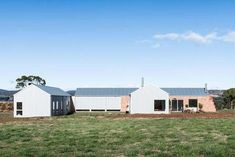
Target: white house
x,y
144,100
149,100
40,101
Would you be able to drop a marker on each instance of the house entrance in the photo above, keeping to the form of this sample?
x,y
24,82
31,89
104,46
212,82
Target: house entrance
x,y
177,105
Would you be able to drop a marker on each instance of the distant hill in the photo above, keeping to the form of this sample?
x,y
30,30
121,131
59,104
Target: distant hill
x,y
7,92
2,90
71,92
6,95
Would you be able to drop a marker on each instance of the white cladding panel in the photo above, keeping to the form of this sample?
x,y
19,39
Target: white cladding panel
x,y
113,103
35,102
102,103
142,100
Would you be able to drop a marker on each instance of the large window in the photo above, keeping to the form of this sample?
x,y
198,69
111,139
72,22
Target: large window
x,y
192,102
53,105
177,105
61,106
174,105
180,105
67,106
57,105
19,108
159,105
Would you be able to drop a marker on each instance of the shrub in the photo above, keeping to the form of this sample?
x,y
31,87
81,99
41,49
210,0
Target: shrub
x,y
200,106
219,103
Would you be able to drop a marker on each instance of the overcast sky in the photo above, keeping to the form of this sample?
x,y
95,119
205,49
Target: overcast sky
x,y
113,43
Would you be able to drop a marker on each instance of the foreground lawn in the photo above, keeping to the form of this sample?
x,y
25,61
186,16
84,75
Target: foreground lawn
x,y
99,134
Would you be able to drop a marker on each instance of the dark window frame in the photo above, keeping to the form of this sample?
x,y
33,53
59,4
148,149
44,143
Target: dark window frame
x,y
193,104
19,108
19,113
159,105
19,105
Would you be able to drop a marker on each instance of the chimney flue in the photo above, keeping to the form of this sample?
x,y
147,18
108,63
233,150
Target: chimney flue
x,y
206,90
142,82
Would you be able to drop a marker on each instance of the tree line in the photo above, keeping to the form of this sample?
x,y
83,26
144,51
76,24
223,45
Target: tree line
x,y
226,101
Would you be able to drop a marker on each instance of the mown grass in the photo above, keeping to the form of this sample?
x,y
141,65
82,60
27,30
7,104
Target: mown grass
x,y
87,134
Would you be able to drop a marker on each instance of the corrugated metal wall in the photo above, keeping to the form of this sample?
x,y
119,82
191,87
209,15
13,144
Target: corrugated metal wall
x,y
98,103
35,102
142,100
59,105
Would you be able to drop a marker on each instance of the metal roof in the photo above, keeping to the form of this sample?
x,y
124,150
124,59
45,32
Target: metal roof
x,y
53,90
126,91
186,91
99,92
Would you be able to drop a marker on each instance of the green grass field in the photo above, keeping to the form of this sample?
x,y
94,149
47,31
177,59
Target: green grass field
x,y
99,134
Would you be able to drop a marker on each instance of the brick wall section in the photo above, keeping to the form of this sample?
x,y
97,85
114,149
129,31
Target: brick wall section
x,y
124,103
207,101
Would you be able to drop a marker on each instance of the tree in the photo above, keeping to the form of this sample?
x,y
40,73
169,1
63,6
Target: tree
x,y
37,80
24,81
229,98
219,102
200,106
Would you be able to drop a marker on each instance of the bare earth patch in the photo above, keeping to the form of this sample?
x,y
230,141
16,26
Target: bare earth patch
x,y
185,115
6,117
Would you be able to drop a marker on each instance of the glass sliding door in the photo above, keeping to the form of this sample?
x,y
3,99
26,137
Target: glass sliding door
x,y
174,105
177,105
180,105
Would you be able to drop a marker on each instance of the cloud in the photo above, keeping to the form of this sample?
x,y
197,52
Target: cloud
x,y
209,38
197,37
230,37
170,36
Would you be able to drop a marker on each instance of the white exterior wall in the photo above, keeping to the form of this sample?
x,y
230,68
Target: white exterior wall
x,y
74,100
35,102
113,103
99,103
142,100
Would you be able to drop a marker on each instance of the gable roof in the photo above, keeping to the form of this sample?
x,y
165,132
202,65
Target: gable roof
x,y
99,92
52,90
186,91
